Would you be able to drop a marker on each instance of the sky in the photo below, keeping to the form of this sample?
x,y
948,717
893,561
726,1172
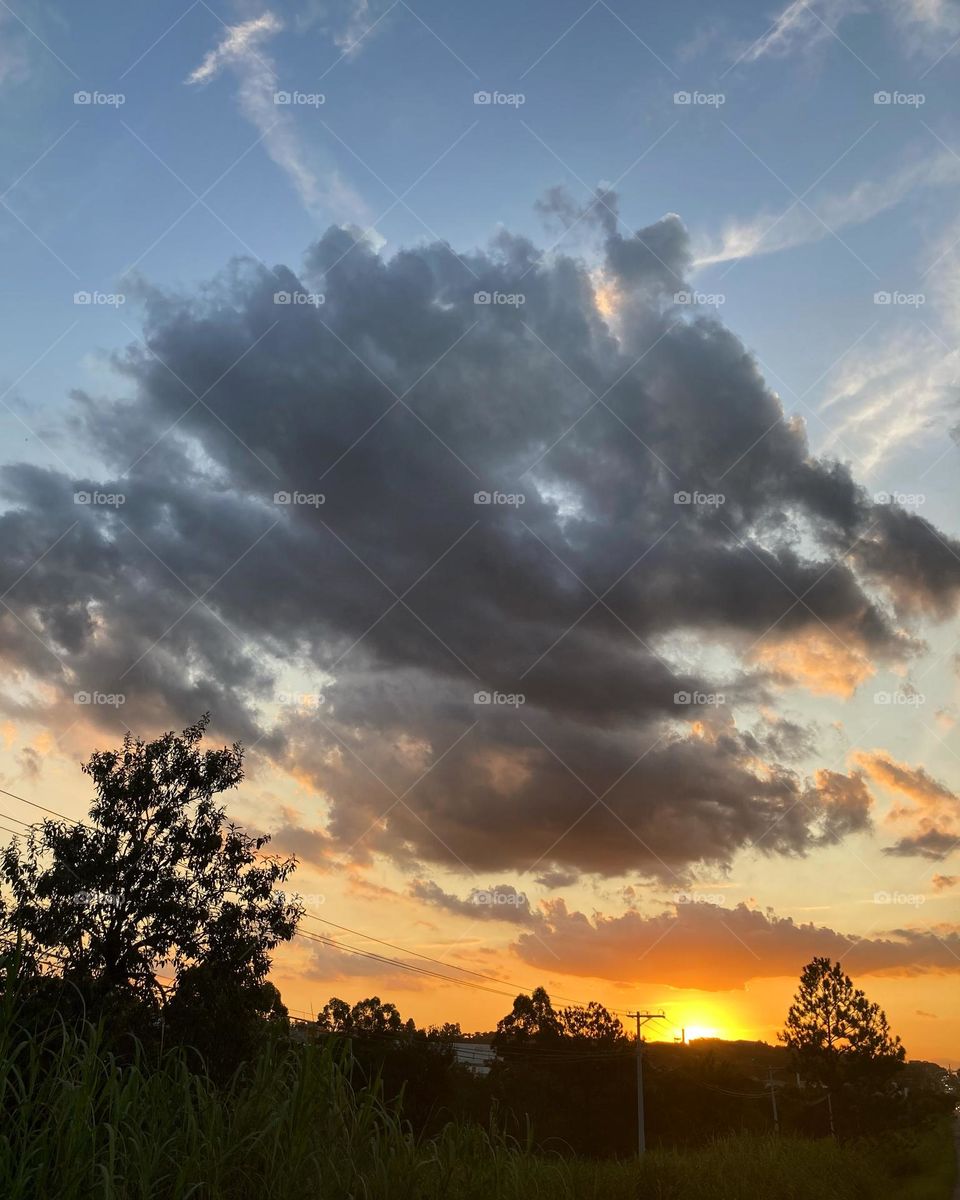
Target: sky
x,y
533,432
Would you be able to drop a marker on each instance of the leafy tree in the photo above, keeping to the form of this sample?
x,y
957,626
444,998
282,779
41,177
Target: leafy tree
x,y
449,1031
837,1035
366,1018
532,1020
156,881
335,1016
594,1024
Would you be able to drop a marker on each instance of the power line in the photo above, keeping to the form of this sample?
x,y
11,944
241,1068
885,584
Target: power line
x,y
440,962
53,812
502,983
395,962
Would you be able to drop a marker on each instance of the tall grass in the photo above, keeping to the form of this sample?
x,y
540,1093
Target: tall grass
x,y
78,1124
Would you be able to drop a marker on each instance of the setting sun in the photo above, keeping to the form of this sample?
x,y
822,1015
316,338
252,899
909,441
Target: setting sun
x,y
692,1032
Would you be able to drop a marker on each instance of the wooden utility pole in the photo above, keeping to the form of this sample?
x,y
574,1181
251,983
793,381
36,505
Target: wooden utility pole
x,y
773,1100
642,1018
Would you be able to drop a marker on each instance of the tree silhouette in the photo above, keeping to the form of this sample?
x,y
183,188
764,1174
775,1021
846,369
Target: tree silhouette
x,y
837,1035
594,1024
156,880
367,1018
532,1019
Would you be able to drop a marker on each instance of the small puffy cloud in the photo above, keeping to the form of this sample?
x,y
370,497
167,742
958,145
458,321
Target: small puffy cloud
x,y
931,843
556,878
499,902
913,782
933,811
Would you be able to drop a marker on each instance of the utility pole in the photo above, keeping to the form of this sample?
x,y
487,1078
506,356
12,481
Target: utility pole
x,y
642,1018
773,1100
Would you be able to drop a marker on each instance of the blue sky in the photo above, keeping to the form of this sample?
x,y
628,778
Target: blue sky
x,y
812,153
598,84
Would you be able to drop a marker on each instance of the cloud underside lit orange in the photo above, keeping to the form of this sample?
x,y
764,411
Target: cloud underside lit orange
x,y
712,948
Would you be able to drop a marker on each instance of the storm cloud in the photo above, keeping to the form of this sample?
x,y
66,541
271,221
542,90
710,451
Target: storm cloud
x,y
489,510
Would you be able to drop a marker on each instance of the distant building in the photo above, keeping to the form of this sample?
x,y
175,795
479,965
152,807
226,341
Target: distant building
x,y
477,1057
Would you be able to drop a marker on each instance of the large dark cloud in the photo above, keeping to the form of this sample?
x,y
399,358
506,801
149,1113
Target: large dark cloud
x,y
399,398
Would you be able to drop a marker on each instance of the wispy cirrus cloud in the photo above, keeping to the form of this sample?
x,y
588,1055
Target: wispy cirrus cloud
x,y
321,187
800,27
800,223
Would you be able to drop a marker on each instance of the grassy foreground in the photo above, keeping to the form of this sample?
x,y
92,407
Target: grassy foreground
x,y
78,1125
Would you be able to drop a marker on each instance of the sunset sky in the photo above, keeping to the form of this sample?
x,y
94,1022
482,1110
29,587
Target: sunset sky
x,y
533,431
